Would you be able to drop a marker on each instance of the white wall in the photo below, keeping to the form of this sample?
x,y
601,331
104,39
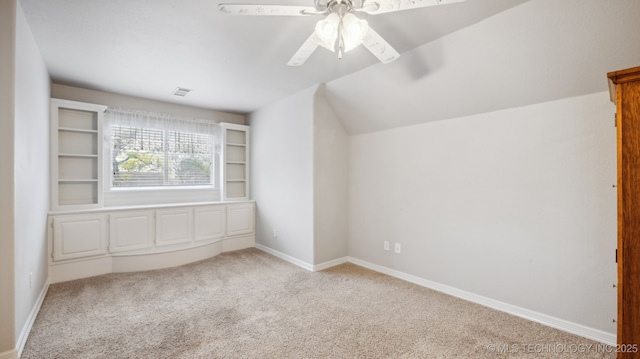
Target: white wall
x,y
299,178
7,65
515,205
32,88
282,174
330,187
137,103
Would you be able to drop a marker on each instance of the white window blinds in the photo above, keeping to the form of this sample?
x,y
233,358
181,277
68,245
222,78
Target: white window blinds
x,y
154,150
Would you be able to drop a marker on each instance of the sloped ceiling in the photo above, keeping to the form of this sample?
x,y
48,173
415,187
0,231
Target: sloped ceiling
x,y
147,48
539,51
457,60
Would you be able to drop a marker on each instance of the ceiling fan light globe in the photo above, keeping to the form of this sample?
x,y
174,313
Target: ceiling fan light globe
x,y
327,29
354,31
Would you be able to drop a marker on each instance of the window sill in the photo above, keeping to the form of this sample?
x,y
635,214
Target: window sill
x,y
148,206
160,189
159,196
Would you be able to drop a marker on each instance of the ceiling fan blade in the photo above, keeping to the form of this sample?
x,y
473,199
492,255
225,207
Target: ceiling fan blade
x,y
305,51
379,47
273,10
385,6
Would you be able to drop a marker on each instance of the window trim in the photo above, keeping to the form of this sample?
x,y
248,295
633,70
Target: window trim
x,y
117,194
165,171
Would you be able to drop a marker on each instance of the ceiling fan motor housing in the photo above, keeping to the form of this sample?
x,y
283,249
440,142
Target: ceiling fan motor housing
x,y
324,5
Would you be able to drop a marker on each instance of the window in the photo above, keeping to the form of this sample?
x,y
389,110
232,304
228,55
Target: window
x,y
151,150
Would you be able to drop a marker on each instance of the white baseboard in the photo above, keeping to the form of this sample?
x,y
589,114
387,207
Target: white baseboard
x,y
133,262
566,326
153,261
285,257
236,243
329,264
77,269
302,264
11,354
24,334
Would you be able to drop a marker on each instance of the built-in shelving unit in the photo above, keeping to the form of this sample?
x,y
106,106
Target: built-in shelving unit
x,y
235,164
86,243
76,154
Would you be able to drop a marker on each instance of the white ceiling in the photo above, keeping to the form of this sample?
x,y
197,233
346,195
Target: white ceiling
x,y
542,50
147,48
457,60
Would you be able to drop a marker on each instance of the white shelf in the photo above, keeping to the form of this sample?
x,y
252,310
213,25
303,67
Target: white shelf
x,y
78,130
76,155
87,180
235,169
79,155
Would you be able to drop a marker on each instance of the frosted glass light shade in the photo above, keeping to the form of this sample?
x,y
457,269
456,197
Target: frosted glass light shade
x,y
354,30
327,31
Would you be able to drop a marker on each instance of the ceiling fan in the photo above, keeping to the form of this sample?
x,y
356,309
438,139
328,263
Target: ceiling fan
x,y
340,30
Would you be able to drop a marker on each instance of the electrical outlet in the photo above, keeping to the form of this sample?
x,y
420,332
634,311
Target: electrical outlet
x,y
275,233
397,248
386,245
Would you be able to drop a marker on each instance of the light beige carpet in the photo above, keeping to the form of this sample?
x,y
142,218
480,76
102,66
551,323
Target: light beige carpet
x,y
249,304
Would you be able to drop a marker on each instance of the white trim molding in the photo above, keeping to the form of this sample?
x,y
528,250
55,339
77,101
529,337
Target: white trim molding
x,y
135,262
24,334
285,257
560,324
329,264
300,263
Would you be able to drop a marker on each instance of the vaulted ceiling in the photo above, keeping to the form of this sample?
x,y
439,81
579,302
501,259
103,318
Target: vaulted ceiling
x,y
147,48
542,50
456,60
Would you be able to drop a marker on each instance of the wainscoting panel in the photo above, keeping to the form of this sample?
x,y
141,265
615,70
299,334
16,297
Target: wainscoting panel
x,y
210,222
174,226
130,231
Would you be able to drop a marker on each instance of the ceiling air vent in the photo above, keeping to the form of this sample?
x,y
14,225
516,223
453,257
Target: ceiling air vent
x,y
181,91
